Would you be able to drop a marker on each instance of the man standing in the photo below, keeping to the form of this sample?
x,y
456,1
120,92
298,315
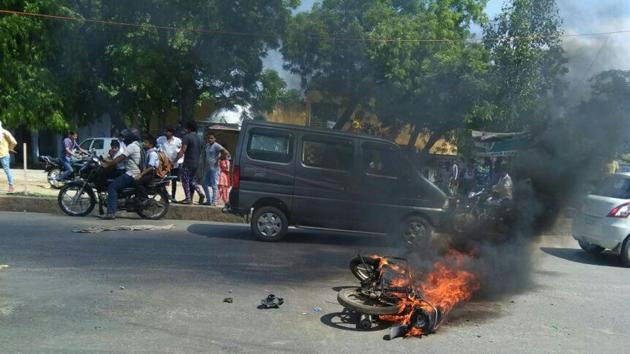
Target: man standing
x,y
190,151
7,144
132,155
171,145
210,156
70,145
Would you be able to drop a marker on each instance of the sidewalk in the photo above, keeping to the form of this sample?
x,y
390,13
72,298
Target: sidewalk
x,y
33,194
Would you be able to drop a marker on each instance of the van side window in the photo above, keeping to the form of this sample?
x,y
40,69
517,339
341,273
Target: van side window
x,y
327,153
381,161
270,147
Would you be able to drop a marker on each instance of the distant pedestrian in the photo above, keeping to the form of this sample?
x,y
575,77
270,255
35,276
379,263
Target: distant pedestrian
x,y
224,177
211,155
191,152
171,145
70,149
7,144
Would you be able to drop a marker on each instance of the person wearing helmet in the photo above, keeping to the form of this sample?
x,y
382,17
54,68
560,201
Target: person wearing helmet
x,y
132,156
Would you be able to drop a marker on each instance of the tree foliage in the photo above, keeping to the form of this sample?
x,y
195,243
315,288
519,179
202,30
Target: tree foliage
x,y
528,62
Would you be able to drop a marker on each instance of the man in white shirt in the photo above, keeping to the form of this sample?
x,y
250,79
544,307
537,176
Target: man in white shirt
x,y
132,156
171,145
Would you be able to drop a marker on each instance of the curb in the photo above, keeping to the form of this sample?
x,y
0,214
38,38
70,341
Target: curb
x,y
175,212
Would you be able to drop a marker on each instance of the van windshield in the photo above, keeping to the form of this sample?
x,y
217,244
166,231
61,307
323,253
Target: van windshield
x,y
614,187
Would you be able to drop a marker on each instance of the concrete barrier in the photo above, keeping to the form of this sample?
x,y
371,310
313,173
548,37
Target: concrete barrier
x,y
37,204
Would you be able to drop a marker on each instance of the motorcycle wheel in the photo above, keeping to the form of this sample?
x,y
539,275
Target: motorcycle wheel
x,y
353,299
75,201
52,178
363,268
157,207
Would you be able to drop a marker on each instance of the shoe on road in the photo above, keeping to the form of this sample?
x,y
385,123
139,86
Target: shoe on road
x,y
107,216
11,189
185,201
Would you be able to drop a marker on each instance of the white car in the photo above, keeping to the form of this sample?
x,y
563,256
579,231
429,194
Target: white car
x,y
604,223
99,145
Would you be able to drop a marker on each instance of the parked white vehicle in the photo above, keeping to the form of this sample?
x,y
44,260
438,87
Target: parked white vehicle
x,y
603,221
99,145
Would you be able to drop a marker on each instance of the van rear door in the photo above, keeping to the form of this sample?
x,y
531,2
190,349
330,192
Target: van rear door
x,y
323,194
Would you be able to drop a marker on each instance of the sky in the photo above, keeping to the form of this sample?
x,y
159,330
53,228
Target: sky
x,y
587,55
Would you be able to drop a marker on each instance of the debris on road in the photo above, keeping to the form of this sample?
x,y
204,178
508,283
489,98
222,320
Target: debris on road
x,y
317,309
228,300
97,229
271,302
122,287
4,266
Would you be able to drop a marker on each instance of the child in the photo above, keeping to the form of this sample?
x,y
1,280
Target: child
x,y
224,177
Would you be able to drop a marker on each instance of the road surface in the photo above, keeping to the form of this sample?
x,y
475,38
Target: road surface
x,y
163,291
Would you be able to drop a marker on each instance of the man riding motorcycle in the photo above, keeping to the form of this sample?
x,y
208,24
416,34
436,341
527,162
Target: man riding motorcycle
x,y
132,156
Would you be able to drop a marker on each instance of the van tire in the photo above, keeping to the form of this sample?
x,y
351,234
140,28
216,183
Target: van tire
x,y
415,231
624,256
591,248
269,224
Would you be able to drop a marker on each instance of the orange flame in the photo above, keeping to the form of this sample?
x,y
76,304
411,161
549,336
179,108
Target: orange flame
x,y
442,289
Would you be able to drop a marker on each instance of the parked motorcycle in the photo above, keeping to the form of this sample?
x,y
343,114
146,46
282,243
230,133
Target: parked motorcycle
x,y
53,167
479,211
79,197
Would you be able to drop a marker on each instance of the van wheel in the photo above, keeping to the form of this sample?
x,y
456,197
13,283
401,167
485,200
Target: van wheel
x,y
416,231
269,224
625,253
590,248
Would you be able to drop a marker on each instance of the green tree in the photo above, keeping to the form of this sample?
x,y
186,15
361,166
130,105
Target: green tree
x,y
433,87
327,48
527,64
29,91
203,58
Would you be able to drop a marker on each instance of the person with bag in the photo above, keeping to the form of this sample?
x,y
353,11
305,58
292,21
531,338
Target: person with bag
x,y
7,144
171,145
151,167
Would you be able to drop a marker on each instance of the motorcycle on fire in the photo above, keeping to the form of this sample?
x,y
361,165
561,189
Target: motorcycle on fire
x,y
53,167
386,291
79,197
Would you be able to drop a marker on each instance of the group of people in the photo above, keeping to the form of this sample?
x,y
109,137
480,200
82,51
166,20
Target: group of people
x,y
198,165
134,162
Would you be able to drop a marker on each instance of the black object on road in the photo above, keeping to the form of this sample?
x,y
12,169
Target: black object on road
x,y
229,300
271,302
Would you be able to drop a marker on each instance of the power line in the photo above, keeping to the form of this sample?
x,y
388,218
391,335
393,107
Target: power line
x,y
262,35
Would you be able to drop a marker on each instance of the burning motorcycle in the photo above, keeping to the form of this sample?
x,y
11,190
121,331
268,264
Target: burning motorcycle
x,y
390,292
387,294
79,197
53,167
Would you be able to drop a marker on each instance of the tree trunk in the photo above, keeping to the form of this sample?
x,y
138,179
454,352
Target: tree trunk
x,y
187,99
413,137
34,146
345,117
435,136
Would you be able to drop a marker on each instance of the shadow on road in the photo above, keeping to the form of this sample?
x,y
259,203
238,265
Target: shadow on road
x,y
347,320
606,259
295,236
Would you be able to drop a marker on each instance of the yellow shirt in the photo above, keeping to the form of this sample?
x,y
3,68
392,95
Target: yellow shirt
x,y
7,143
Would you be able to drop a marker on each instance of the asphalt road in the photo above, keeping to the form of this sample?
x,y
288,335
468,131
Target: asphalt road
x,y
163,291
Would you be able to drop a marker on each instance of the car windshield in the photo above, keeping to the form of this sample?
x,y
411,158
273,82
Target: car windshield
x,y
614,187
